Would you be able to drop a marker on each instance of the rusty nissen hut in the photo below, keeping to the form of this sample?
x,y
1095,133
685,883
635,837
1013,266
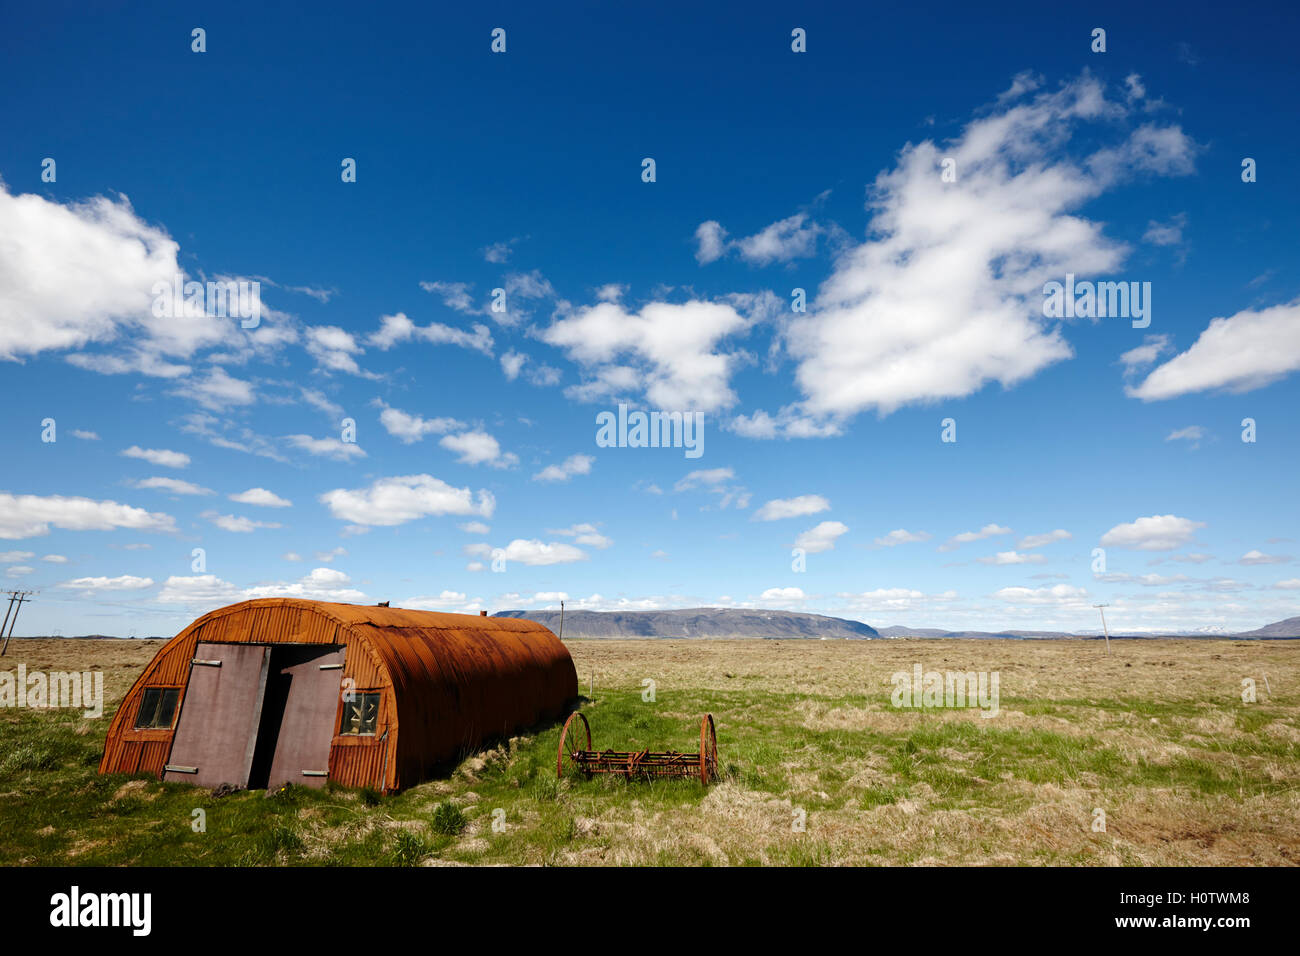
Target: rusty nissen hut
x,y
285,690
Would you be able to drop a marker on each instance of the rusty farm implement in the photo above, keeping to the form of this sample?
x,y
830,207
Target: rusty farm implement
x,y
577,756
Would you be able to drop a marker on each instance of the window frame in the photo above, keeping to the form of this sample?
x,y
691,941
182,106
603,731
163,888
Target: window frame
x,y
162,697
360,703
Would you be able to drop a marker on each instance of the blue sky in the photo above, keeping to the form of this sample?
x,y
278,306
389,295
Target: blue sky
x,y
475,430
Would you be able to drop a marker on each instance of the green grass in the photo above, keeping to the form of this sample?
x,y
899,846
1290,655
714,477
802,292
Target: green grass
x,y
56,809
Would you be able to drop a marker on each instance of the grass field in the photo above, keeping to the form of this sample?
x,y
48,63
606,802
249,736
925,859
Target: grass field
x,y
1156,736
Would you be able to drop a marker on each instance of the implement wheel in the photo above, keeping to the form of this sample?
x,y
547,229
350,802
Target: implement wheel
x,y
575,738
708,750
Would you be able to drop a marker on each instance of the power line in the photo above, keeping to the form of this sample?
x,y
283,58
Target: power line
x,y
19,598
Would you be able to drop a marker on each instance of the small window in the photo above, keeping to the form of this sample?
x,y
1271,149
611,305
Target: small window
x,y
360,715
157,709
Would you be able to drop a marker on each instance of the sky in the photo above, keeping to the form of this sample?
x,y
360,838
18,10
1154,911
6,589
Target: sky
x,y
828,234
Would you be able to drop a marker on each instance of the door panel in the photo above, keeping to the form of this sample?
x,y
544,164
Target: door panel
x,y
307,727
217,730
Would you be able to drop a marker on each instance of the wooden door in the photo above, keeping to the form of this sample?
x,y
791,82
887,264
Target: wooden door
x,y
216,733
302,747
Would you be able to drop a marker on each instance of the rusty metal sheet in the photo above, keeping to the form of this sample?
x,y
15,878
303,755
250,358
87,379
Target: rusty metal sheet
x,y
309,703
217,729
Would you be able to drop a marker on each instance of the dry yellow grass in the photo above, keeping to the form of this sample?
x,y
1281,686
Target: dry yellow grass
x,y
1157,736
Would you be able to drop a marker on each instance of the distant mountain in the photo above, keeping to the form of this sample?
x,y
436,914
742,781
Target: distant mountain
x,y
904,631
698,622
1288,628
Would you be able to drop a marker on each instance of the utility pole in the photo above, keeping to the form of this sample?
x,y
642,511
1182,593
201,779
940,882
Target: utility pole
x,y
12,596
1103,625
21,598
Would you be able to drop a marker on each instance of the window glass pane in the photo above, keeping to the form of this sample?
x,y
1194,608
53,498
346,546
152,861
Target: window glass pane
x,y
167,707
148,706
360,716
348,723
158,708
369,712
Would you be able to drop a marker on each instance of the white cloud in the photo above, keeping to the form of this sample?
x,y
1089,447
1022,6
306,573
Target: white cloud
x,y
30,516
8,557
334,349
789,422
797,507
1160,580
1013,557
711,240
330,556
397,500
1031,541
584,534
512,363
1166,233
326,447
84,435
218,391
902,536
411,428
237,523
791,238
794,237
202,589
1192,433
322,584
571,466
125,582
704,476
454,295
1154,533
1062,594
1245,351
895,599
1290,584
821,537
947,295
535,553
318,399
262,497
83,273
782,595
499,252
172,485
988,531
158,456
1152,347
714,480
479,448
55,559
474,527
18,571
396,329
521,288
667,351
440,602
1259,557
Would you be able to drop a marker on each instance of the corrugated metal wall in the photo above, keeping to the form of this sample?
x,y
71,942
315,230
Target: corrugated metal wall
x,y
449,682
